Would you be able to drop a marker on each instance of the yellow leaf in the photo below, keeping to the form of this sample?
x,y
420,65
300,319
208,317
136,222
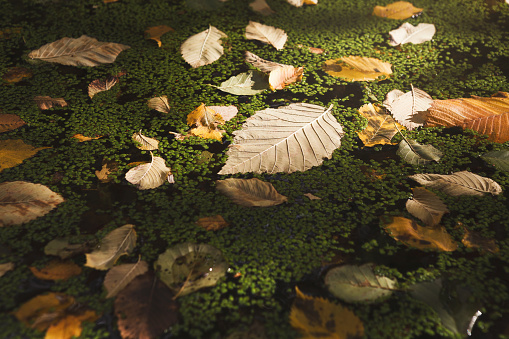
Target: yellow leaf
x,y
16,74
69,326
319,318
356,68
398,10
13,152
214,223
43,310
380,129
206,120
57,270
207,133
424,238
82,138
156,32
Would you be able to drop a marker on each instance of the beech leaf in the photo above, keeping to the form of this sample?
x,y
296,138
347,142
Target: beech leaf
x,y
267,34
203,48
145,143
426,206
284,76
261,6
120,276
408,33
410,108
357,68
381,126
14,152
8,122
159,104
149,175
155,33
459,183
249,83
416,154
499,159
45,102
398,10
262,64
250,192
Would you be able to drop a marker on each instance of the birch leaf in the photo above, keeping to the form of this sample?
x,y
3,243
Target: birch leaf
x,y
46,102
410,108
6,267
408,33
381,126
8,122
459,183
416,154
145,143
287,139
22,201
426,206
155,33
159,104
499,159
118,242
149,175
267,34
14,152
284,76
262,64
398,10
250,192
203,48
249,83
83,51
261,6
101,85
120,276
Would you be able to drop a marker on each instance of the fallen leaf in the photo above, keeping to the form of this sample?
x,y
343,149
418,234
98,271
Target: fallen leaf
x,y
145,143
159,104
149,175
408,33
424,238
475,240
16,74
356,68
145,308
313,50
120,276
118,242
371,174
57,270
499,159
214,223
226,112
353,283
188,267
300,3
206,133
14,152
22,201
416,154
459,183
381,126
287,139
101,85
284,76
82,138
398,10
203,48
410,108
311,196
204,157
83,51
249,83
488,116
267,34
63,248
8,33
320,318
204,116
6,267
250,192
155,33
8,122
70,326
261,6
426,206
109,167
45,102
262,64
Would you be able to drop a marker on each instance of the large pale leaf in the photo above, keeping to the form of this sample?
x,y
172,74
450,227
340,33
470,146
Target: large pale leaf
x,y
284,76
262,64
145,143
13,152
159,104
358,283
249,83
410,108
488,116
357,68
407,33
459,183
9,122
188,267
381,126
22,201
83,51
416,154
118,242
261,6
398,10
267,34
499,159
149,175
203,48
120,276
250,192
287,139
426,206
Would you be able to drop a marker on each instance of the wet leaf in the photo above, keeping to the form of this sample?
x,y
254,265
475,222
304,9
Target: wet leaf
x,y
14,152
83,51
284,76
6,267
63,248
410,108
320,318
287,139
82,138
108,168
206,120
145,143
8,122
416,154
22,201
499,159
426,206
261,6
203,48
214,223
159,104
101,85
145,308
398,10
118,242
226,112
120,276
70,326
16,74
262,64
45,102
156,32
250,192
381,126
249,83
472,239
300,3
267,34
459,183
408,33
424,238
57,270
358,283
149,175
188,267
356,68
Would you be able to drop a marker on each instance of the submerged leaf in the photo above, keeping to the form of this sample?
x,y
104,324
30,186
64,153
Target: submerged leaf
x,y
356,68
120,276
250,192
14,152
426,206
459,183
159,104
109,167
203,48
45,102
155,33
381,126
398,10
261,6
145,143
149,175
57,270
472,239
267,34
410,108
213,223
407,33
499,159
249,83
416,154
8,122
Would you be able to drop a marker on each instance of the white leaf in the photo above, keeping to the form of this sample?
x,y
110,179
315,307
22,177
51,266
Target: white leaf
x,y
416,154
262,64
249,83
203,48
409,109
459,183
268,34
147,144
407,33
261,6
287,139
426,206
150,175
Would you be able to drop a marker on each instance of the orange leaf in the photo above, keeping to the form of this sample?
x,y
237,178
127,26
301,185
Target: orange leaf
x,y
284,76
16,74
212,223
57,270
82,138
69,326
9,122
357,68
46,102
43,310
398,10
473,239
206,120
156,32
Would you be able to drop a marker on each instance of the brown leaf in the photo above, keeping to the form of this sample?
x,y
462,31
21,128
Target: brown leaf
x,y
156,32
82,138
426,206
46,102
14,152
145,308
9,122
70,326
120,276
16,74
109,167
262,64
159,104
57,270
250,192
356,68
398,10
212,223
101,85
284,76
473,239
381,126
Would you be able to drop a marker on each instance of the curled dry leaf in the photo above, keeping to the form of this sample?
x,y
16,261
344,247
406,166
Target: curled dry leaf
x,y
267,34
499,159
8,122
426,206
83,51
249,83
16,74
203,48
284,76
14,152
145,143
381,126
300,3
213,223
149,175
101,85
250,192
261,6
408,33
120,276
416,154
459,183
46,102
57,270
82,138
262,64
118,242
475,240
6,267
22,201
410,108
155,33
70,325
356,68
398,10
159,104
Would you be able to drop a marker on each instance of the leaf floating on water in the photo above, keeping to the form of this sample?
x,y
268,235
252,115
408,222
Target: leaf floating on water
x,y
8,122
6,267
250,192
120,276
408,33
284,76
205,121
57,270
262,64
356,68
261,6
475,240
149,175
159,104
145,143
381,126
426,206
267,34
213,223
14,152
300,3
63,248
416,154
459,183
399,10
226,112
499,159
45,102
155,33
203,48
311,196
410,108
70,325
101,85
16,74
82,138
249,83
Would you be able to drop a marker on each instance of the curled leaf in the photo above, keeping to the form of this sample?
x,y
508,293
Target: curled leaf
x,y
459,183
284,76
250,192
149,175
101,85
426,206
262,64
159,104
410,108
267,34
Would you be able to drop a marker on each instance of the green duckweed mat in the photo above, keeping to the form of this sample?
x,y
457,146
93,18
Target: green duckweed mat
x,y
269,250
